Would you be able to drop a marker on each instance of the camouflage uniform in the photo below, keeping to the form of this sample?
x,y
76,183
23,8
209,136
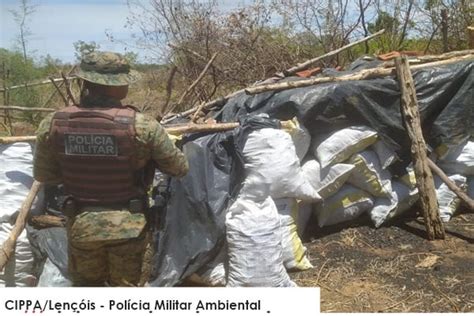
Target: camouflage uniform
x,y
106,244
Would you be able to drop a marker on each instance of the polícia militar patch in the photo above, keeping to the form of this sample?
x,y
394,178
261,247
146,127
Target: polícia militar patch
x,y
90,145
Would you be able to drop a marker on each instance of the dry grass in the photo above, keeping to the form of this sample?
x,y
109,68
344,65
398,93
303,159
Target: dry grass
x,y
366,270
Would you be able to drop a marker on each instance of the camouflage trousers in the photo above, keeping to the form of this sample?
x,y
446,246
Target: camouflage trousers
x,y
116,263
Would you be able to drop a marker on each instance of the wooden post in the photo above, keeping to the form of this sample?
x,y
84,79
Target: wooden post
x,y
33,84
16,139
26,109
451,185
424,177
68,89
8,247
308,63
174,130
194,84
444,29
66,102
6,100
360,75
470,31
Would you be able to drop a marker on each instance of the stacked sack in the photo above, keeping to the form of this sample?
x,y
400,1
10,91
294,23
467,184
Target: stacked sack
x,y
347,170
262,234
261,224
16,162
350,172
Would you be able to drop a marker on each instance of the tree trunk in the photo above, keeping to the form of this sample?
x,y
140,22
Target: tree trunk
x,y
424,178
444,29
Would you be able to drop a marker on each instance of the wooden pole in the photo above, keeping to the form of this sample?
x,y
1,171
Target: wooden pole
x,y
361,75
44,221
196,114
424,178
174,130
431,58
6,100
16,139
66,103
451,185
68,89
444,29
207,105
8,247
199,128
470,31
291,71
32,84
59,86
194,84
26,109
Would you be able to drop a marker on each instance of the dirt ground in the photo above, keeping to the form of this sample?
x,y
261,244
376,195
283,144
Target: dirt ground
x,y
392,269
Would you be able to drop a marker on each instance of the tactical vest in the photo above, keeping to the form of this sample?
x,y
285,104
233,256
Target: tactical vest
x,y
95,149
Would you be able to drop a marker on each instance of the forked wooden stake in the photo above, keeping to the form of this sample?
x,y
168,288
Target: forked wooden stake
x,y
424,178
8,247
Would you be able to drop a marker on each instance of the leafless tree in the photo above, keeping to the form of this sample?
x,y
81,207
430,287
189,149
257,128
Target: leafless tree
x,y
21,17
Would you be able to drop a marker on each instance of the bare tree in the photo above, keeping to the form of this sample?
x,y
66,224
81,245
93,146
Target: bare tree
x,y
21,17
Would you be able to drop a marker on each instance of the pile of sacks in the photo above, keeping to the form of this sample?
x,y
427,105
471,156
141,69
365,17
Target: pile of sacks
x,y
262,222
349,169
336,177
15,183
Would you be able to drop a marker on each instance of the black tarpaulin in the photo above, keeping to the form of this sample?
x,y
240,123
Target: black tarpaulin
x,y
444,93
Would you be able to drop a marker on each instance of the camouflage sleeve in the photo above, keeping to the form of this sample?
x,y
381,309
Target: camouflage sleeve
x,y
167,156
45,165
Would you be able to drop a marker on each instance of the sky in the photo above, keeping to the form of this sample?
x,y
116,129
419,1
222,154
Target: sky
x,y
57,24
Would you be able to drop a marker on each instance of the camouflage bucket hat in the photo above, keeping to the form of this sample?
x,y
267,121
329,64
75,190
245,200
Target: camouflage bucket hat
x,y
106,68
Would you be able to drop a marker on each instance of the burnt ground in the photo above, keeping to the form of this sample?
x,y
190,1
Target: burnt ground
x,y
393,268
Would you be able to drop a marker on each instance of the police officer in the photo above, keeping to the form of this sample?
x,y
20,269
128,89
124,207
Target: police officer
x,y
102,151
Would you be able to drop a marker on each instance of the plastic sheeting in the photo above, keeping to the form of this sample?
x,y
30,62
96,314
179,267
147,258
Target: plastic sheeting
x,y
52,277
194,227
50,243
444,95
19,270
194,230
16,168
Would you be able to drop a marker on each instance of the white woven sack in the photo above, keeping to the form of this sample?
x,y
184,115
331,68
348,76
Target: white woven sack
x,y
346,205
401,199
386,155
52,277
254,245
409,179
329,180
294,252
19,270
16,168
342,144
300,136
406,198
271,161
448,201
382,208
369,176
459,161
